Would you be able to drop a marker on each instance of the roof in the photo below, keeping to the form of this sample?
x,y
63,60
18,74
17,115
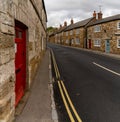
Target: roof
x,y
107,19
44,9
79,24
61,29
52,34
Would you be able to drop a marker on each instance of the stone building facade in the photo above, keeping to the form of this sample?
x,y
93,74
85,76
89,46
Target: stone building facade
x,y
75,34
104,35
22,43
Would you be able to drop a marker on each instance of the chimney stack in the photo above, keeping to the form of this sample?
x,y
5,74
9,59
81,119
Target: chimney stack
x,y
100,15
60,26
72,21
65,23
94,14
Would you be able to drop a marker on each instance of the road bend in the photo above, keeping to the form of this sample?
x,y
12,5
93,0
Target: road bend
x,y
92,82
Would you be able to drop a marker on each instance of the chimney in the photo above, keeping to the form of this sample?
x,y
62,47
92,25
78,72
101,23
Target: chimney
x,y
60,26
72,21
94,14
100,15
65,23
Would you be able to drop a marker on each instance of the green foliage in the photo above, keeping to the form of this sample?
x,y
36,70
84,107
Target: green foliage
x,y
51,29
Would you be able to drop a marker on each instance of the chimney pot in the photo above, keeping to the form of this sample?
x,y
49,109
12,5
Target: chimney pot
x,y
100,15
65,23
72,21
94,14
60,26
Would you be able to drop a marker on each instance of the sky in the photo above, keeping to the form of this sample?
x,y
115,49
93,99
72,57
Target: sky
x,y
59,11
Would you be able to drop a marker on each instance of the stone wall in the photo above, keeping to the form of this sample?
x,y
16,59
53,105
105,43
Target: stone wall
x,y
73,36
23,11
107,32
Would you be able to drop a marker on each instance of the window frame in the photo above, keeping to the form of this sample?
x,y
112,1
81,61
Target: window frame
x,y
71,32
76,41
97,28
66,33
72,41
118,43
118,25
97,43
67,41
77,31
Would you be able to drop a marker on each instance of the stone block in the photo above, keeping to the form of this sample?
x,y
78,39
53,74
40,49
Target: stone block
x,y
4,28
7,71
6,41
16,2
3,5
6,112
6,87
4,56
12,53
6,18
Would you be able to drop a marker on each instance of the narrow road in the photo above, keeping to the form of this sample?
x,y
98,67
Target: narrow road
x,y
93,84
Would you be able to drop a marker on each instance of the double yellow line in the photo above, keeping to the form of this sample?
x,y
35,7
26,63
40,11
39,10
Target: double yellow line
x,y
64,93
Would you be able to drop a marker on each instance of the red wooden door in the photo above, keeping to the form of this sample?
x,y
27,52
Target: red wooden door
x,y
89,43
20,63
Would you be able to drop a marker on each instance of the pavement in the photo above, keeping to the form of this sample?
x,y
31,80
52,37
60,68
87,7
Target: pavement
x,y
116,56
38,103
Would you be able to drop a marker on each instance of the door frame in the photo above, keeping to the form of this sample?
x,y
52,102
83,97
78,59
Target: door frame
x,y
23,28
107,45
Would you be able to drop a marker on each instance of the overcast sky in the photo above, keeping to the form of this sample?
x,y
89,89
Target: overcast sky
x,y
59,11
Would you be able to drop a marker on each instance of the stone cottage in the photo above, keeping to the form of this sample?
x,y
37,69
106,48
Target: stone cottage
x,y
22,43
59,35
104,34
75,33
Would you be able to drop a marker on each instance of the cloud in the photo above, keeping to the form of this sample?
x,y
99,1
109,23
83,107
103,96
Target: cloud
x,y
59,11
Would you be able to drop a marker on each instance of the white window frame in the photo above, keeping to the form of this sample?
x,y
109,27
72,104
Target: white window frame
x,y
118,25
67,41
71,32
97,43
77,31
77,41
72,41
118,43
67,33
97,28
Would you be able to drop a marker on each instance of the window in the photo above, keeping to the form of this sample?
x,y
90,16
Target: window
x,y
71,32
18,34
66,33
118,25
77,31
77,41
97,43
118,43
72,41
97,28
67,41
